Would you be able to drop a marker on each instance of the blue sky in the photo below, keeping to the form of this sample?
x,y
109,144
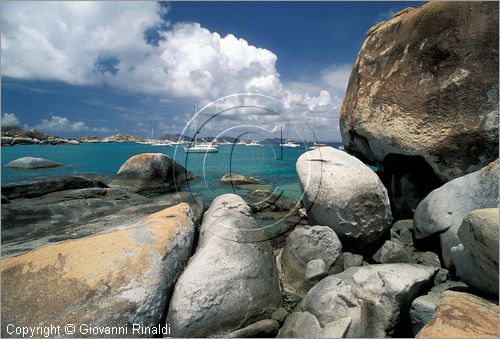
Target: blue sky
x,y
106,67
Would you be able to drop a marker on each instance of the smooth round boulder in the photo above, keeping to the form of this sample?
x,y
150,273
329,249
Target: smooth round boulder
x,y
32,163
151,172
229,282
425,84
303,246
341,192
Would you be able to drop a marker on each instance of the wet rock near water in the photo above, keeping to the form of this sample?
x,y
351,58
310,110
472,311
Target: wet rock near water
x,y
151,173
41,186
238,179
32,163
75,213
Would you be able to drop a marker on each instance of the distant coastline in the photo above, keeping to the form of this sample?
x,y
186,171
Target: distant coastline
x,y
14,135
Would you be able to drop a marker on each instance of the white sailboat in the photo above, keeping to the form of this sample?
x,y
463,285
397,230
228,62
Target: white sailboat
x,y
203,147
253,143
289,143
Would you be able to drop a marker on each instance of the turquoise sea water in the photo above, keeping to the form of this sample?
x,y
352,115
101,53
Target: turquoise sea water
x,y
263,163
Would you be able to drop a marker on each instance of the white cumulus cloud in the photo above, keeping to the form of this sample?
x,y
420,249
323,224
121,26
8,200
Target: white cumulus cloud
x,y
10,119
104,42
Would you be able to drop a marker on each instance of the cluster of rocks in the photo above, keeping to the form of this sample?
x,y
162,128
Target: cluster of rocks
x,y
380,256
13,135
114,257
10,141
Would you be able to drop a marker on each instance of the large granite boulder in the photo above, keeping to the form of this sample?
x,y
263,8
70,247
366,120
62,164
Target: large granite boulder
x,y
462,315
375,298
32,163
112,279
231,281
476,260
303,247
71,214
151,173
42,186
425,84
343,193
444,208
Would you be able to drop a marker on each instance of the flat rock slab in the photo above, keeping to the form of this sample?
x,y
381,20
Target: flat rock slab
x,y
41,186
30,223
238,179
33,163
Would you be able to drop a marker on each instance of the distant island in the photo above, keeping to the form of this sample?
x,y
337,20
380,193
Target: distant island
x,y
14,135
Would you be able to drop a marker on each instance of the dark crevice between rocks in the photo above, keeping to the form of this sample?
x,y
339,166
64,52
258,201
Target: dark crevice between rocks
x,y
196,239
360,148
408,180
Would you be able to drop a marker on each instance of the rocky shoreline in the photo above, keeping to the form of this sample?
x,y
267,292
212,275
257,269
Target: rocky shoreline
x,y
12,136
409,251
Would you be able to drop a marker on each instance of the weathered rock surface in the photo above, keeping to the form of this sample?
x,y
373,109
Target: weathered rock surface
x,y
150,173
424,307
230,282
111,279
32,163
267,328
76,213
462,315
306,325
343,193
237,179
374,298
444,208
328,302
422,86
42,186
303,245
476,260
